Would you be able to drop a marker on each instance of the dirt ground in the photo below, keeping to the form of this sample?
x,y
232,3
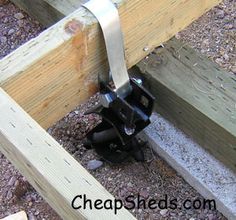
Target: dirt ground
x,y
213,35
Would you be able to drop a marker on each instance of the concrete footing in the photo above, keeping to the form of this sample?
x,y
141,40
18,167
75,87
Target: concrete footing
x,y
198,167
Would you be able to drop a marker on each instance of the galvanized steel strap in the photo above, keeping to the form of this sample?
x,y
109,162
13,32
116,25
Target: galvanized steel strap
x,y
108,18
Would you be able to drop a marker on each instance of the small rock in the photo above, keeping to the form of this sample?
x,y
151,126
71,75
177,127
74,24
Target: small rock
x,y
11,31
130,189
203,51
19,16
163,212
12,181
226,57
233,69
9,195
220,14
31,217
20,23
205,42
21,187
16,183
210,217
177,36
123,193
94,164
192,218
144,193
229,26
181,213
201,216
2,14
219,61
5,20
190,212
36,212
129,184
3,39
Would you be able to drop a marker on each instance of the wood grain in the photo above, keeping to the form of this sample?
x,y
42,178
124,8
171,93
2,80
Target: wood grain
x,y
65,6
196,95
51,170
53,73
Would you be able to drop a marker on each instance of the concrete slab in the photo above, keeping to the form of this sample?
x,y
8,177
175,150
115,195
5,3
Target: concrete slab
x,y
198,167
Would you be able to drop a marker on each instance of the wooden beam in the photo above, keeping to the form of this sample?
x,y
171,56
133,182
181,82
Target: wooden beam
x,y
52,171
48,12
53,73
40,10
196,95
65,6
17,216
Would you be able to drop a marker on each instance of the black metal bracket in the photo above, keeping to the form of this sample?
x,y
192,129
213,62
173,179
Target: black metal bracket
x,y
125,106
122,119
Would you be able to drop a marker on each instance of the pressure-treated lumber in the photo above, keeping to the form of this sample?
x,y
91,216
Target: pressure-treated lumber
x,y
17,216
195,94
40,10
54,173
65,6
56,71
48,12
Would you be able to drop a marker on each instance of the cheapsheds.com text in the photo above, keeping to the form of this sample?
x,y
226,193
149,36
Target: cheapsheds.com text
x,y
137,202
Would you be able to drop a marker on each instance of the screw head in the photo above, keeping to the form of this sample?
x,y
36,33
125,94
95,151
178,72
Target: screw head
x,y
129,131
145,49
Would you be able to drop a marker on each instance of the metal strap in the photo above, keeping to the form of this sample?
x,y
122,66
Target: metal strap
x,y
108,18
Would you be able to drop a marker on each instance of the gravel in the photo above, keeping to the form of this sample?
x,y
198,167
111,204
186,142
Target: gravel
x,y
213,35
152,179
16,28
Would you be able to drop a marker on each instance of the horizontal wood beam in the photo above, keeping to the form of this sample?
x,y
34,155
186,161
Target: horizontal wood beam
x,y
53,73
41,10
17,216
51,170
48,12
196,95
65,6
